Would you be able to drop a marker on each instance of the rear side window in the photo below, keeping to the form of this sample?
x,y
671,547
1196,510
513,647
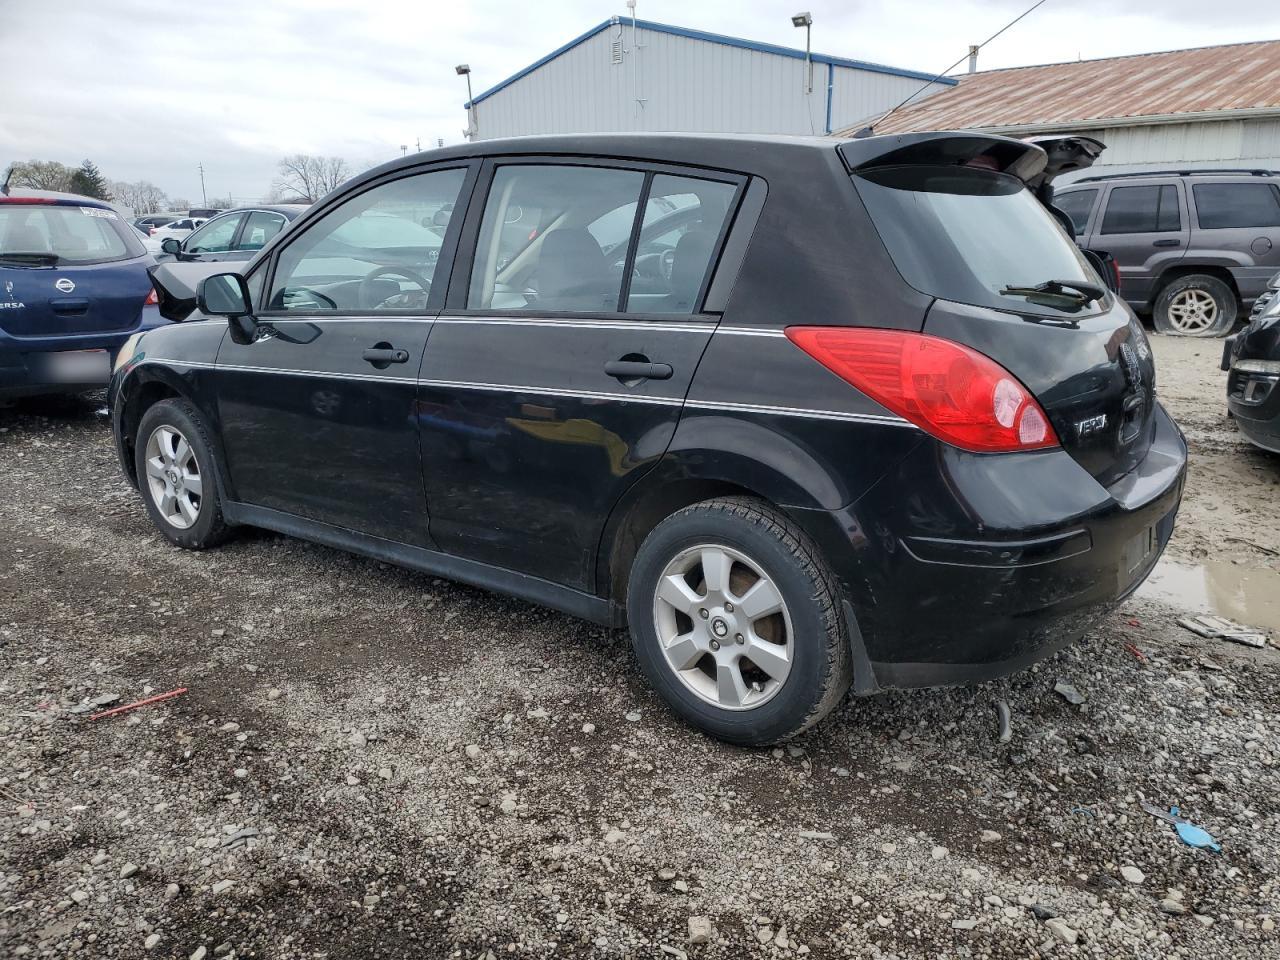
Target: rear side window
x,y
1222,205
1146,209
969,235
259,228
66,234
1076,205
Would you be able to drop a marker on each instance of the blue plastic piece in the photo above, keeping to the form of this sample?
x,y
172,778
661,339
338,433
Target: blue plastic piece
x,y
1194,836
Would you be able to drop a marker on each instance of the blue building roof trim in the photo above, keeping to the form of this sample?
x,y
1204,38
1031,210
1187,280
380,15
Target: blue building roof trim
x,y
720,38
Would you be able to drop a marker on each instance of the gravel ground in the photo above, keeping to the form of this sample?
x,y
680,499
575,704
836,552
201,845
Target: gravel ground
x,y
372,763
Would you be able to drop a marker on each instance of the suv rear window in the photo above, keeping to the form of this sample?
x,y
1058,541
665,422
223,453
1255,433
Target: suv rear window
x,y
71,234
1149,209
1221,205
966,234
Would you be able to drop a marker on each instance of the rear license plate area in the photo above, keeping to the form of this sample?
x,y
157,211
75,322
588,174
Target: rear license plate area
x,y
1137,552
71,366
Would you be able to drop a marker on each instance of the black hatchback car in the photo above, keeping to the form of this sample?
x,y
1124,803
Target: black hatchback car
x,y
803,413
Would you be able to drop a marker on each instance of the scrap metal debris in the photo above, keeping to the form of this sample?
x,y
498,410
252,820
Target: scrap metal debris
x,y
139,703
1220,628
1188,832
1006,731
1068,693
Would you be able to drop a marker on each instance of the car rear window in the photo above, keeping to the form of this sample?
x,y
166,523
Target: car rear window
x,y
1222,205
73,234
966,234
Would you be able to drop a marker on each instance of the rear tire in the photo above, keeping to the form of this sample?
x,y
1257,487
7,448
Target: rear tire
x,y
1198,305
177,475
695,597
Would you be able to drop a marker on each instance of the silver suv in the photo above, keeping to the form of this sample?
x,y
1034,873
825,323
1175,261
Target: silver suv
x,y
1194,247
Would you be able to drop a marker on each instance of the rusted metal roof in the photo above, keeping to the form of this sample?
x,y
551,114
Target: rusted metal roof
x,y
1096,93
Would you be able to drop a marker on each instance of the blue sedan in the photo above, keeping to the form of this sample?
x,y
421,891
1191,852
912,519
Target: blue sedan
x,y
73,288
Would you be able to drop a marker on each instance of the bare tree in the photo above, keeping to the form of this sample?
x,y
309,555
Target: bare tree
x,y
143,197
43,175
309,178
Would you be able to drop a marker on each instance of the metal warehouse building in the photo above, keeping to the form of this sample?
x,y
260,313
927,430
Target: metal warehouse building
x,y
1184,109
629,75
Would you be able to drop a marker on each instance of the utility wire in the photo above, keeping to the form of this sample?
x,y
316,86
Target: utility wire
x,y
943,74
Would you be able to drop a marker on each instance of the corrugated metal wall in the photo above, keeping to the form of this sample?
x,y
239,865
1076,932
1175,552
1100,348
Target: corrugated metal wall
x,y
686,85
1210,143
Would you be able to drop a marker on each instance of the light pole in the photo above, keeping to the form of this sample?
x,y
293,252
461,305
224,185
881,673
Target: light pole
x,y
464,70
806,21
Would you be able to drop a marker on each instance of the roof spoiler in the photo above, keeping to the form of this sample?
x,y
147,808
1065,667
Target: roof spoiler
x,y
1026,161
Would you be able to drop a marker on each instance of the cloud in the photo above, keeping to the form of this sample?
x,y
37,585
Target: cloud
x,y
149,91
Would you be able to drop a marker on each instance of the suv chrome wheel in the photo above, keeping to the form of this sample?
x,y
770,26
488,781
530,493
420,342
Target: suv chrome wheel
x,y
173,477
1192,311
723,626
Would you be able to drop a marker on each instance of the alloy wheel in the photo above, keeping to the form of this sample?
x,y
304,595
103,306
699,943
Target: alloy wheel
x,y
1192,311
173,477
723,626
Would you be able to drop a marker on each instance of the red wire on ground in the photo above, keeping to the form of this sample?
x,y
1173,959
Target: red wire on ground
x,y
139,703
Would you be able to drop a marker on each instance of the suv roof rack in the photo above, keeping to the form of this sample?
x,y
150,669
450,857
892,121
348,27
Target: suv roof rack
x,y
1204,171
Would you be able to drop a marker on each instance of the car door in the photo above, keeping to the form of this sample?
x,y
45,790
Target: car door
x,y
317,411
1146,228
556,375
1238,226
214,241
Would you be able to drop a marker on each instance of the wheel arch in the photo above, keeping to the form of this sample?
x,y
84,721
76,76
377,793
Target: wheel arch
x,y
147,385
1218,270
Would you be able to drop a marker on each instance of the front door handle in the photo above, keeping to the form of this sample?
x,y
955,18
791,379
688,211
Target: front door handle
x,y
638,370
386,355
1167,243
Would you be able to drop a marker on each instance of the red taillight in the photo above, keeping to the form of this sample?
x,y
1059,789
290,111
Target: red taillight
x,y
1115,269
151,231
949,390
152,299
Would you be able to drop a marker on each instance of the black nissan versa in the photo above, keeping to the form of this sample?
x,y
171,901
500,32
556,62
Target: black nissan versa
x,y
803,413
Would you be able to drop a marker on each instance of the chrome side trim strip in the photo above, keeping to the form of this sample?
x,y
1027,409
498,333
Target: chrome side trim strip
x,y
707,326
886,419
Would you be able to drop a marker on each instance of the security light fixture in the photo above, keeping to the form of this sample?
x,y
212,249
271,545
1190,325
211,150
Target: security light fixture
x,y
462,69
806,20
802,20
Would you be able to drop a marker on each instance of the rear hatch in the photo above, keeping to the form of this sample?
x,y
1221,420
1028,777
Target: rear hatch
x,y
68,268
961,226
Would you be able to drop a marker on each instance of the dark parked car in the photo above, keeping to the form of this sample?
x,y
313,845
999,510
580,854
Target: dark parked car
x,y
1266,299
73,288
1194,247
1252,359
803,413
234,235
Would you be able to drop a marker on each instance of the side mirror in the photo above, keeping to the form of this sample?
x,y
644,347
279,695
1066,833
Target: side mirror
x,y
171,246
227,295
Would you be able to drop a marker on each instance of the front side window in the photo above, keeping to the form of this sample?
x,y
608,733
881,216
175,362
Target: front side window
x,y
1147,209
215,236
536,250
374,252
1223,205
259,228
970,235
1076,205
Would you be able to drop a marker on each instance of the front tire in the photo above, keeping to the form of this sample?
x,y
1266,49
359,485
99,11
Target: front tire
x,y
177,475
1198,305
735,621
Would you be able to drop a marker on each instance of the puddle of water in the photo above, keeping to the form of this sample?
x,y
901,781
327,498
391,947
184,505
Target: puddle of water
x,y
1247,595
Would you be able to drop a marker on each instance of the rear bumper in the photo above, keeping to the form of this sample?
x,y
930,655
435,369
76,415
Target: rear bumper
x,y
32,366
963,567
1254,402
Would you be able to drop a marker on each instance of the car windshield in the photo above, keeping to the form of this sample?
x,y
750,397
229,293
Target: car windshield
x,y
48,234
975,236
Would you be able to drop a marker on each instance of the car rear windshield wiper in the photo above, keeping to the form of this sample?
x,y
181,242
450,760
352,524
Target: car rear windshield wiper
x,y
1074,291
30,259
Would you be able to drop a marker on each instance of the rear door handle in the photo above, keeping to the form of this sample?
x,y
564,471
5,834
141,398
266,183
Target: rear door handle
x,y
376,355
1167,243
638,370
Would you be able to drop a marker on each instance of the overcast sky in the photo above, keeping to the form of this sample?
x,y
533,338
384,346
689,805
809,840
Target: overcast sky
x,y
150,89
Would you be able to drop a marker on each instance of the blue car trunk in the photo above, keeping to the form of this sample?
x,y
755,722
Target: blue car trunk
x,y
64,300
